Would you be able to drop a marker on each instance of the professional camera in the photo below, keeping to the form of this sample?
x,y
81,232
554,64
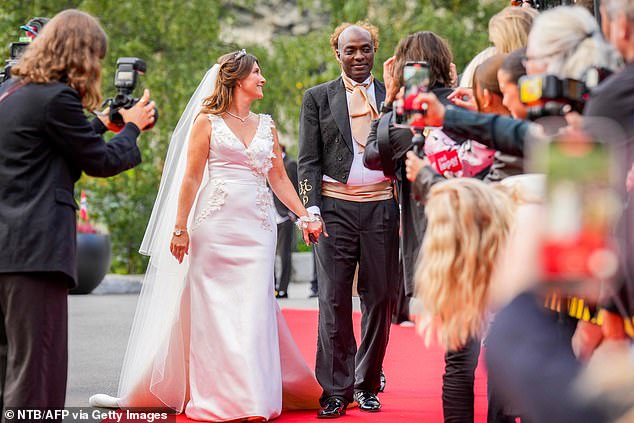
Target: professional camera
x,y
125,80
548,95
16,50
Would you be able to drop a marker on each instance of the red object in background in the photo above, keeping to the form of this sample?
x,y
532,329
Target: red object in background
x,y
569,259
446,161
83,207
83,225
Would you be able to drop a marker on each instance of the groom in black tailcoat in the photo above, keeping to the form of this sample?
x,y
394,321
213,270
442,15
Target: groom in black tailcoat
x,y
361,218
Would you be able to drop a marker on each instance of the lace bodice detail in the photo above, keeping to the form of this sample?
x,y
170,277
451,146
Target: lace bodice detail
x,y
231,162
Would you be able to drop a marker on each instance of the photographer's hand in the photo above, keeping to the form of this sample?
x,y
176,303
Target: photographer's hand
x,y
104,117
435,112
391,84
463,97
413,165
142,113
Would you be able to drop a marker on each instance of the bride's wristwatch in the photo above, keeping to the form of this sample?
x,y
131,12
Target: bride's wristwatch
x,y
179,231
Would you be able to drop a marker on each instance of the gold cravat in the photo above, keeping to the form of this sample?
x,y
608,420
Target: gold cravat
x,y
362,110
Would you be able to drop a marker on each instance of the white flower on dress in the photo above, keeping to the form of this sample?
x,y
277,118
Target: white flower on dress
x,y
215,200
261,153
264,203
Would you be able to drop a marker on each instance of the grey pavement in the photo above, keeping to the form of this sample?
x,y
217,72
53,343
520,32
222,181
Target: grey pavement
x,y
99,326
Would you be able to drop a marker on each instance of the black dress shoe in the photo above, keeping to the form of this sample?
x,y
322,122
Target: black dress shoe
x,y
332,408
367,401
382,381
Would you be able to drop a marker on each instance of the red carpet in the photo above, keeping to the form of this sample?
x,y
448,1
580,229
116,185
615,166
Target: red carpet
x,y
414,377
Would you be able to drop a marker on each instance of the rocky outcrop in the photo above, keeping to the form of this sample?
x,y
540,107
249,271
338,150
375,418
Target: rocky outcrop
x,y
258,22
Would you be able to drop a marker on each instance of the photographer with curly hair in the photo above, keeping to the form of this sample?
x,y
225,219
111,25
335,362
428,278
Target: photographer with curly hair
x,y
45,145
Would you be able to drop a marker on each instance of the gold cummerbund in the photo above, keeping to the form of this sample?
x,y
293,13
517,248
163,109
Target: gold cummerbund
x,y
358,193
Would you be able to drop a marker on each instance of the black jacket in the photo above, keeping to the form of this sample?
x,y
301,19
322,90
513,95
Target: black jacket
x,y
413,222
325,138
501,133
45,144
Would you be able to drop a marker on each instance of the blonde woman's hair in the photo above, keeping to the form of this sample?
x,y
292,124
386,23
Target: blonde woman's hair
x,y
234,67
69,49
467,224
570,39
508,30
466,80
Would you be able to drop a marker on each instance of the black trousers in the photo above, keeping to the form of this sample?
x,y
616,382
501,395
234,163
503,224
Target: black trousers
x,y
457,388
314,285
33,339
457,383
365,234
285,242
400,313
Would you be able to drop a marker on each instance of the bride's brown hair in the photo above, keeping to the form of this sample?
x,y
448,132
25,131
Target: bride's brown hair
x,y
234,67
69,49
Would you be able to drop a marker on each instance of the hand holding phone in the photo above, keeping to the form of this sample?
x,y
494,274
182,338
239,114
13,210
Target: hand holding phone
x,y
409,111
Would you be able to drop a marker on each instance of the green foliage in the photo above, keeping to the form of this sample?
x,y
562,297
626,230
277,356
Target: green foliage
x,y
180,40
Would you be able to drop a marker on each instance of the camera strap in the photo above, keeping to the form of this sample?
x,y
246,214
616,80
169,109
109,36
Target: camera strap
x,y
11,90
385,149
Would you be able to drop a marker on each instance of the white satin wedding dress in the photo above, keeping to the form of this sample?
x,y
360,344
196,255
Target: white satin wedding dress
x,y
229,353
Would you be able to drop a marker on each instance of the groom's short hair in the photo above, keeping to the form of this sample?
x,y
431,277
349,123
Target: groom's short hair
x,y
373,30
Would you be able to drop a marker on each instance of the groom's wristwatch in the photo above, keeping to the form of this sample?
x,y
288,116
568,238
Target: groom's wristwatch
x,y
179,232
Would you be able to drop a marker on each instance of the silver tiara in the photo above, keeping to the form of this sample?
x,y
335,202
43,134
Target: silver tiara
x,y
239,54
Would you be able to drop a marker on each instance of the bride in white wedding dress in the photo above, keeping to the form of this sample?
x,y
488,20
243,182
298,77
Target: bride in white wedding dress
x,y
208,337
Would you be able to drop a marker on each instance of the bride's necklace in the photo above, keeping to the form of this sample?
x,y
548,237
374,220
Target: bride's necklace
x,y
241,119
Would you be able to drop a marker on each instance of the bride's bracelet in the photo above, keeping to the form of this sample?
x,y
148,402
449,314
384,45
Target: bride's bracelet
x,y
304,221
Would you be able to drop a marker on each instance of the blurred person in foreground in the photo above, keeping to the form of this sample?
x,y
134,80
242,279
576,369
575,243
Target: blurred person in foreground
x,y
538,370
614,99
46,143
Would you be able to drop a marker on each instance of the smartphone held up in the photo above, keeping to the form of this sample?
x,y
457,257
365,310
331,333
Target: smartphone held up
x,y
408,112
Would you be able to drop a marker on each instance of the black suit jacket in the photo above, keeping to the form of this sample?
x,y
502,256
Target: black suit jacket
x,y
325,138
45,143
291,170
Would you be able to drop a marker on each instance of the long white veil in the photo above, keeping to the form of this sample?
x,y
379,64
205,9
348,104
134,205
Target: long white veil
x,y
154,372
